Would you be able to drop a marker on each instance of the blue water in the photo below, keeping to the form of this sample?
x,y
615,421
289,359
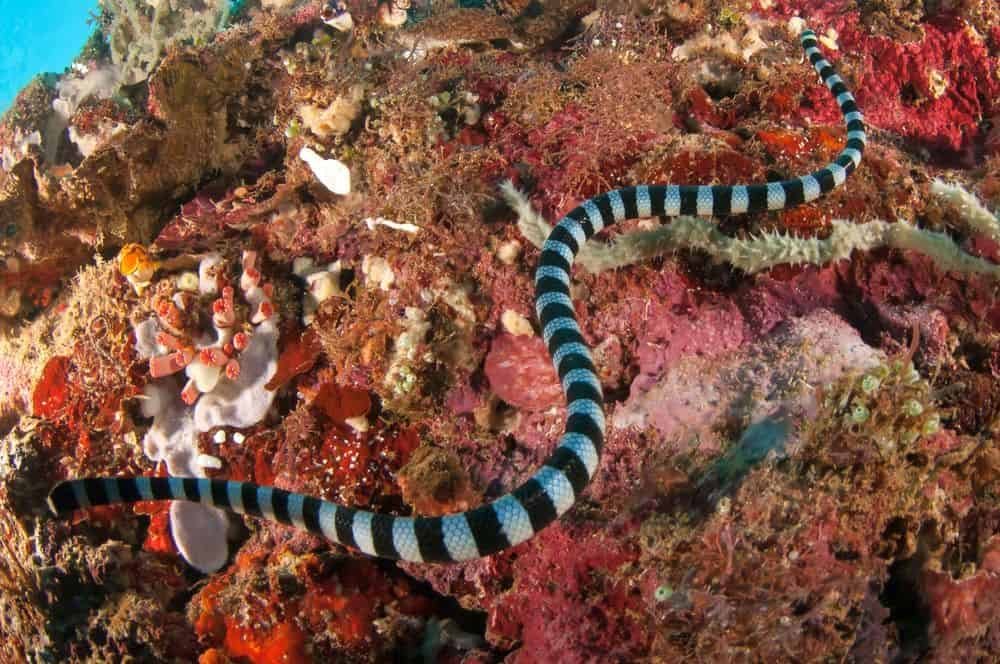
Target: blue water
x,y
39,36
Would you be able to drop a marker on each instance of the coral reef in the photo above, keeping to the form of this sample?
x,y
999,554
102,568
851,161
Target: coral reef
x,y
802,404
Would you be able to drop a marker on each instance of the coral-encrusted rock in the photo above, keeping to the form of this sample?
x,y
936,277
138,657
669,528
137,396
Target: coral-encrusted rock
x,y
932,88
677,550
434,482
521,372
962,609
124,188
286,605
573,599
699,394
930,325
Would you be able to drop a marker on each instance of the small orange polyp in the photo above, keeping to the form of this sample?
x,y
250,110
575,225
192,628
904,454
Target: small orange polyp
x,y
137,266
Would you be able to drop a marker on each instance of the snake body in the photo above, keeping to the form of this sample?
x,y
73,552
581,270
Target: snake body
x,y
552,490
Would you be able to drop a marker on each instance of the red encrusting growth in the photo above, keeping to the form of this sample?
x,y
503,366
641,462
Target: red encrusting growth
x,y
284,606
51,391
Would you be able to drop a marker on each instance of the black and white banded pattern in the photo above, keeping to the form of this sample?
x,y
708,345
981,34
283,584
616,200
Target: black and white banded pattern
x,y
551,491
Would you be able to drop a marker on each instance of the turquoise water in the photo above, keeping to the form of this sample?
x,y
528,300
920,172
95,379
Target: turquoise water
x,y
39,36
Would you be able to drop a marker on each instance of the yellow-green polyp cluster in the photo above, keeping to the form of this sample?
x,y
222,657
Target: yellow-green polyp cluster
x,y
884,410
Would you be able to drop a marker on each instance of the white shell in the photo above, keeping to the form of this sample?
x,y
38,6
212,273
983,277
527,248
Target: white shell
x,y
333,174
342,21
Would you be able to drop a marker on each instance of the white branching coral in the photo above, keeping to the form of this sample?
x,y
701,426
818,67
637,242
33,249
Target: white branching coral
x,y
758,253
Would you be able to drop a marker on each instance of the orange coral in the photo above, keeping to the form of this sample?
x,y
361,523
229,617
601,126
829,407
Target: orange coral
x,y
136,265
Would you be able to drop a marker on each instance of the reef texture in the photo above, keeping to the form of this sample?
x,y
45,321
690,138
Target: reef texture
x,y
801,462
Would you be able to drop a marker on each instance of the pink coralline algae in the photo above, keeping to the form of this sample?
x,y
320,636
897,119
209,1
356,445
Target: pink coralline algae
x,y
666,335
962,609
594,610
935,90
521,373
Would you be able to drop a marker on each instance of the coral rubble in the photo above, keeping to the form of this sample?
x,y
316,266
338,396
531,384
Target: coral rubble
x,y
293,244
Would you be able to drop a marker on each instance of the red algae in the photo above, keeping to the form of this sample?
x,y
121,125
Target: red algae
x,y
342,403
817,143
593,612
299,354
710,167
158,538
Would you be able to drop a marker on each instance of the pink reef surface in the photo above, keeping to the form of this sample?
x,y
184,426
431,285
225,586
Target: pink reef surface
x,y
801,464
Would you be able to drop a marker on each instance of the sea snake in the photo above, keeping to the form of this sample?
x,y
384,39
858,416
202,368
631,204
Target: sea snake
x,y
523,512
